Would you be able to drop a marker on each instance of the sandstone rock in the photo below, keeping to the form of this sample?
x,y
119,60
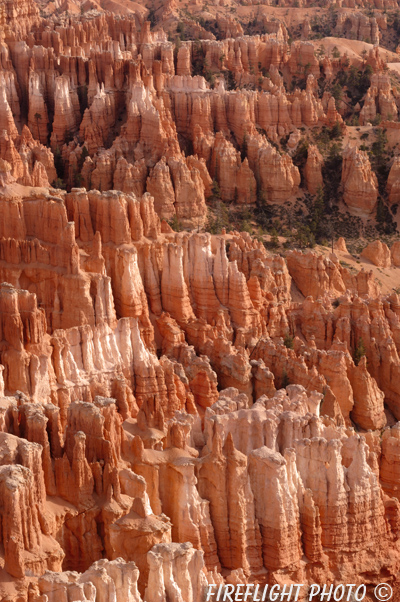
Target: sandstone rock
x,y
359,25
340,245
393,181
131,178
313,275
38,116
279,177
159,185
10,154
312,170
360,186
175,568
302,53
368,409
389,466
22,533
395,253
378,253
236,180
279,523
332,116
66,110
116,578
6,116
237,535
98,120
190,204
6,177
159,385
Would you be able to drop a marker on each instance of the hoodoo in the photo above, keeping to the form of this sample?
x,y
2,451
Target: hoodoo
x,y
199,299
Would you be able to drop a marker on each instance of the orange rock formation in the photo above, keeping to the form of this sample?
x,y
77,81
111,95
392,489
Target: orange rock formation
x,y
180,408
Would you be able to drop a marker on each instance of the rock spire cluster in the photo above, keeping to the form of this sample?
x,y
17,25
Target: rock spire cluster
x,y
180,407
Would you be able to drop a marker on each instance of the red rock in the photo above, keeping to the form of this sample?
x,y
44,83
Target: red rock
x,y
66,111
378,253
98,120
312,170
159,385
360,186
368,409
393,183
236,180
395,253
189,192
6,116
159,185
37,116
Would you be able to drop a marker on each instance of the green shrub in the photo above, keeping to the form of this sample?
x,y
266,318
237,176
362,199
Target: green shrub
x,y
175,224
285,380
288,340
359,351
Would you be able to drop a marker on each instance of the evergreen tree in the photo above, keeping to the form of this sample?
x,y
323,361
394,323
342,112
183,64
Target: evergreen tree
x,y
285,380
243,151
216,191
288,340
317,212
274,242
359,351
58,163
37,117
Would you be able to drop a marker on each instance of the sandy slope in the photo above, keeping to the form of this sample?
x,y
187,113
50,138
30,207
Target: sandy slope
x,y
394,67
388,278
353,48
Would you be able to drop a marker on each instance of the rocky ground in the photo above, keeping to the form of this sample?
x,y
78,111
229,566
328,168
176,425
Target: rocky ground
x,y
199,298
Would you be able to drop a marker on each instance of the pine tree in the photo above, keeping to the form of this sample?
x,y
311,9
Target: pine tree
x,y
243,151
37,117
216,191
359,351
285,380
288,340
274,239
